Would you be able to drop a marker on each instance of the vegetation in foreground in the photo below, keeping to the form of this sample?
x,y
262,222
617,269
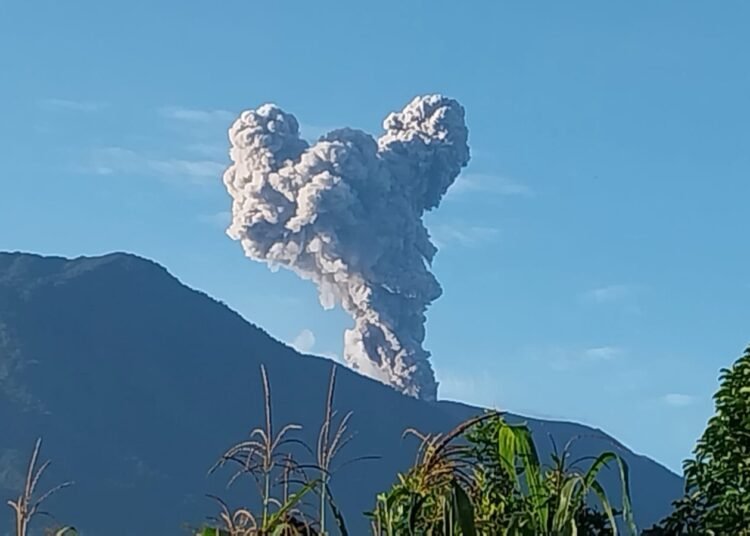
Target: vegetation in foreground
x,y
483,478
717,478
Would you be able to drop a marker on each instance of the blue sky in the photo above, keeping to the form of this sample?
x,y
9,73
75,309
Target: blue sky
x,y
594,261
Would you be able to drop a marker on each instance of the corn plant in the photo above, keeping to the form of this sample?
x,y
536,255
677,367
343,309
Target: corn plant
x,y
433,497
27,505
331,439
485,478
262,457
553,500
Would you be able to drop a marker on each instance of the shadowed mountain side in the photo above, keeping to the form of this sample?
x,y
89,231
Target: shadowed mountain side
x,y
138,383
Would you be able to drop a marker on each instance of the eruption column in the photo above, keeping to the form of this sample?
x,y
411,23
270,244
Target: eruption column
x,y
346,213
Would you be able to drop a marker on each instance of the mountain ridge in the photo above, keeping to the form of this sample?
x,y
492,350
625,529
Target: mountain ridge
x,y
169,363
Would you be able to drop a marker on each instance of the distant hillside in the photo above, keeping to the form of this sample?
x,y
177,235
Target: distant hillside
x,y
137,383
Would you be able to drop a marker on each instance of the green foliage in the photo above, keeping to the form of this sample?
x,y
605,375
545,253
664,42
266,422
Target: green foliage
x,y
211,531
434,498
281,522
485,478
717,479
552,501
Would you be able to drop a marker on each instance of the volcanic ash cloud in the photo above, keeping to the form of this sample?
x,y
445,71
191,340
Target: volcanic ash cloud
x,y
346,213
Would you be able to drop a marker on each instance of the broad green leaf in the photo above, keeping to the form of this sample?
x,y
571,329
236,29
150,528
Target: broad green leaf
x,y
277,518
606,506
465,511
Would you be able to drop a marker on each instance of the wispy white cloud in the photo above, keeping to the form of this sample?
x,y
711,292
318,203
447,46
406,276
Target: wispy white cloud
x,y
304,341
445,235
193,169
218,219
195,115
567,358
622,296
213,150
330,355
678,400
487,184
72,105
486,389
112,160
609,293
603,353
479,388
453,387
222,117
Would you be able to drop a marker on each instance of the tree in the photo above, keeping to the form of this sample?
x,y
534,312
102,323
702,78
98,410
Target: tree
x,y
717,479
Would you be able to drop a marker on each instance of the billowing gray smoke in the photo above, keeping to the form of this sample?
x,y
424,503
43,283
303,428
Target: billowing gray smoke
x,y
346,213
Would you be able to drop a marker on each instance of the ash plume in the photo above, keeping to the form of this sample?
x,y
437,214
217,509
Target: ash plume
x,y
346,212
